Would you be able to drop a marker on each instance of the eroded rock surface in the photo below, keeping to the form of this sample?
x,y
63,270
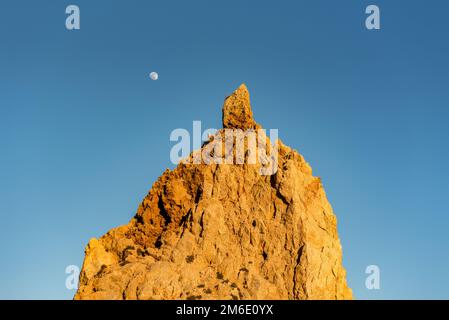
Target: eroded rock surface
x,y
224,231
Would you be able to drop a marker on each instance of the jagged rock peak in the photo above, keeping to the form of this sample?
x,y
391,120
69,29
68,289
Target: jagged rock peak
x,y
237,113
224,231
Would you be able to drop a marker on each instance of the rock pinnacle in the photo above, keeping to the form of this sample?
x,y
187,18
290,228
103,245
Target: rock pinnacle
x,y
223,231
237,113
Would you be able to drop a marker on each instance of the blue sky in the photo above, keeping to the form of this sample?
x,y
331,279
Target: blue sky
x,y
84,132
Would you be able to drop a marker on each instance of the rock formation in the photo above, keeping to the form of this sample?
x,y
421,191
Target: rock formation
x,y
224,231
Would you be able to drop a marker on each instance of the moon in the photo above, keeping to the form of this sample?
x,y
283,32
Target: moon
x,y
154,75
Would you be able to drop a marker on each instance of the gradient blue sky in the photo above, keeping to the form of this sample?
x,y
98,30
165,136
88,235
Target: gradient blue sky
x,y
84,132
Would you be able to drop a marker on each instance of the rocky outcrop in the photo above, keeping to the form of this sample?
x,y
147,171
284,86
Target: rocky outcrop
x,y
224,231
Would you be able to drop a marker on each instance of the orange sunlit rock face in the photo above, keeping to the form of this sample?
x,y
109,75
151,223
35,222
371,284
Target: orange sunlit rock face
x,y
224,231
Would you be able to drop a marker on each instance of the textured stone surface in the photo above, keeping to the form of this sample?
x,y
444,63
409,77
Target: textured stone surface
x,y
221,231
237,113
